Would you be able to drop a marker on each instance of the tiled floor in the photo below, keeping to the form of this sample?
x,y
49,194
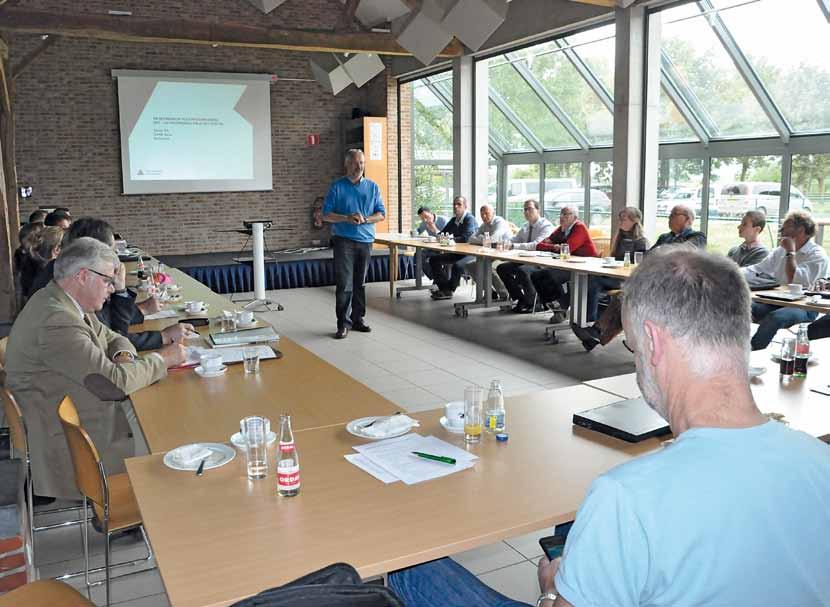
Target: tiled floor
x,y
419,355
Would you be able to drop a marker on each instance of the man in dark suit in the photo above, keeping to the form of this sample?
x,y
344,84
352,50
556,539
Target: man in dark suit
x,y
120,310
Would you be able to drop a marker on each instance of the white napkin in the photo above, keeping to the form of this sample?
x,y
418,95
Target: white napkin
x,y
188,455
390,425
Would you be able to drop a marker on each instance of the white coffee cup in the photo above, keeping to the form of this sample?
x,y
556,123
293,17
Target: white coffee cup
x,y
454,413
795,289
212,361
194,306
609,259
245,317
121,247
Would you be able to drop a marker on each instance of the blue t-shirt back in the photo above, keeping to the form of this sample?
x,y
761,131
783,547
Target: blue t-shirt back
x,y
345,198
721,517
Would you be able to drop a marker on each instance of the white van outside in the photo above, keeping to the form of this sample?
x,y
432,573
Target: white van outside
x,y
736,198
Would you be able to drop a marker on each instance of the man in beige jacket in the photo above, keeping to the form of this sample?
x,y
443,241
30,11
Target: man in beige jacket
x,y
58,347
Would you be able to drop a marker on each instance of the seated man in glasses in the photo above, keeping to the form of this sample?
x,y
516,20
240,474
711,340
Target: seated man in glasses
x,y
730,513
57,347
798,259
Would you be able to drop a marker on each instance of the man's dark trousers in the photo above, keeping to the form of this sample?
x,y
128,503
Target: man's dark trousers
x,y
351,263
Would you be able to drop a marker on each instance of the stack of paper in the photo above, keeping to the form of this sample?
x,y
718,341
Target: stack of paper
x,y
392,459
244,336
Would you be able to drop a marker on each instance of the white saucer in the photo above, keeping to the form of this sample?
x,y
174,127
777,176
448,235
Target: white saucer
x,y
200,371
220,455
576,260
451,429
246,325
239,442
756,371
355,428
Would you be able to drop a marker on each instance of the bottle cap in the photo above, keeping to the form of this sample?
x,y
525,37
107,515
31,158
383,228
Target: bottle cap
x,y
501,436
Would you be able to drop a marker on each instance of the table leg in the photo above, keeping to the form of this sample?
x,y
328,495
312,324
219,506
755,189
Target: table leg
x,y
393,269
579,298
419,274
484,289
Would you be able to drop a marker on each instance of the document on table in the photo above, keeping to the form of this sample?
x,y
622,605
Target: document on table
x,y
162,314
395,459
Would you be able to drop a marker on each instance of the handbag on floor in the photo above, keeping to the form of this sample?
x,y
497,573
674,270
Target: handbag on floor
x,y
337,585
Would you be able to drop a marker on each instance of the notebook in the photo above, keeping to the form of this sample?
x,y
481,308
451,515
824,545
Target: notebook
x,y
245,336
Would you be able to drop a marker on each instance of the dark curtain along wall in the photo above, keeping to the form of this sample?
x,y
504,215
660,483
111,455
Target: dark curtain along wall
x,y
237,278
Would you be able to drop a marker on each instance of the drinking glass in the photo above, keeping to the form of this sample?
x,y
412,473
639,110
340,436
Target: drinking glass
x,y
638,258
256,454
228,320
565,251
473,397
787,357
250,358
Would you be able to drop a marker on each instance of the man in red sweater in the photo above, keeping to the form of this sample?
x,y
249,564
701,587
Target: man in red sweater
x,y
548,283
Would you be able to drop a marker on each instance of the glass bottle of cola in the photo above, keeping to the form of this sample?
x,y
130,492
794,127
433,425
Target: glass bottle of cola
x,y
288,462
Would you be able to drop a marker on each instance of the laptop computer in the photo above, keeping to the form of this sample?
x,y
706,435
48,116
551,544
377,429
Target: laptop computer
x,y
631,420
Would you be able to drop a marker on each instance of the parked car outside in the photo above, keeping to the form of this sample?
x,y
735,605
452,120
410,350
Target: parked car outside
x,y
737,198
600,203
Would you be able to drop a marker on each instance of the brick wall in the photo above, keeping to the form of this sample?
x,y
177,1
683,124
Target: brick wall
x,y
68,142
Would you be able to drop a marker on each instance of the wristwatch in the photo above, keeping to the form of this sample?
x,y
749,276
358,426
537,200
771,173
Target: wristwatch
x,y
790,253
544,597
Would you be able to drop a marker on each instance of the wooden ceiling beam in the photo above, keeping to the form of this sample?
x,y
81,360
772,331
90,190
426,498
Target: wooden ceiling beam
x,y
189,31
607,3
32,55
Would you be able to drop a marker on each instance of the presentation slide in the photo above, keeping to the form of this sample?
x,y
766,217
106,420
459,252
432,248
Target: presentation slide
x,y
194,132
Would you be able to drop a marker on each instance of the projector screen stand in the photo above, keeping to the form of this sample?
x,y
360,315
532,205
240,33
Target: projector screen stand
x,y
259,301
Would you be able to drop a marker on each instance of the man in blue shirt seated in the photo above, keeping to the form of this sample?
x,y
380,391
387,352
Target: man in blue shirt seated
x,y
733,512
681,219
353,205
447,268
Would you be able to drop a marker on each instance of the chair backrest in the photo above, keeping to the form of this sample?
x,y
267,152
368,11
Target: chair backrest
x,y
603,245
85,459
14,418
4,341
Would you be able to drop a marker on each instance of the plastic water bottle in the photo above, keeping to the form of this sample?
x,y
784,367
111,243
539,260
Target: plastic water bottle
x,y
495,408
487,241
802,351
288,462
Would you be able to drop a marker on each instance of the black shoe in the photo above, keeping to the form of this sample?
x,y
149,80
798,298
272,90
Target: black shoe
x,y
589,336
520,308
442,295
342,332
362,328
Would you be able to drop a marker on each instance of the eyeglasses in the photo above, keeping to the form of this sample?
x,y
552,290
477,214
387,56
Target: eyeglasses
x,y
627,347
565,213
109,280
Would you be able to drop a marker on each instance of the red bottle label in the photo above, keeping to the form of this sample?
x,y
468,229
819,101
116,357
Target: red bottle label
x,y
288,479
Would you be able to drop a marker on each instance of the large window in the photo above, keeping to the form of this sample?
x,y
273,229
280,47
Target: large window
x,y
432,175
522,184
811,189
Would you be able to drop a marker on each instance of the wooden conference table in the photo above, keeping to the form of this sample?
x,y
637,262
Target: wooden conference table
x,y
579,267
802,408
220,537
184,408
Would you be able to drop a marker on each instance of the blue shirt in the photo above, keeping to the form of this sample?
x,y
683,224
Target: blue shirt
x,y
440,222
721,517
345,198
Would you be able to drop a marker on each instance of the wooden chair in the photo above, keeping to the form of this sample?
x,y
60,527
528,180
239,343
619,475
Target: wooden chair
x,y
4,341
20,448
45,593
112,497
603,246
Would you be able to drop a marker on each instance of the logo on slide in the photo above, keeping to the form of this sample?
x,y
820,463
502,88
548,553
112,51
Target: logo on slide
x,y
140,172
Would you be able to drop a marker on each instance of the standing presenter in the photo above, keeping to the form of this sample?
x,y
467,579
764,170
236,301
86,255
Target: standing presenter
x,y
353,206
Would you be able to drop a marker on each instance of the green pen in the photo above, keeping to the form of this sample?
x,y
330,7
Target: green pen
x,y
435,458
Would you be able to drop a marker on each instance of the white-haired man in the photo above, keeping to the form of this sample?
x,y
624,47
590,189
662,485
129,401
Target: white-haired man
x,y
733,512
57,347
497,229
